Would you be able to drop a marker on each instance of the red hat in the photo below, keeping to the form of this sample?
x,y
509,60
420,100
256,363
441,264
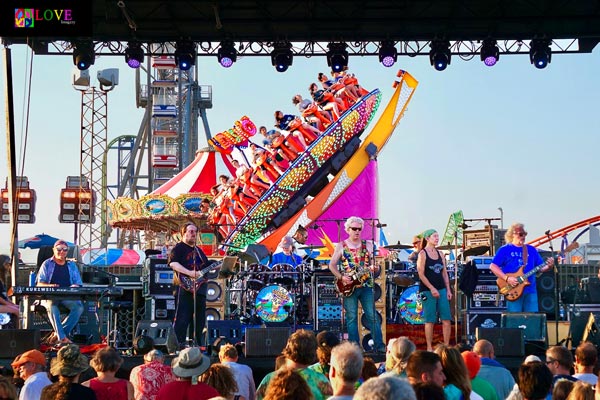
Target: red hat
x,y
472,361
35,356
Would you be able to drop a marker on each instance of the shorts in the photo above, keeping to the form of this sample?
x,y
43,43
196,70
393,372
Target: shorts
x,y
431,306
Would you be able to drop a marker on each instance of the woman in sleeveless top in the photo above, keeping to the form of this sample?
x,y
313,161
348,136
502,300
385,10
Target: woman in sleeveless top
x,y
434,287
106,362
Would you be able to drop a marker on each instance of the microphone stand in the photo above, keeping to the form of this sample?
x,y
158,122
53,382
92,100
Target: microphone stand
x,y
556,284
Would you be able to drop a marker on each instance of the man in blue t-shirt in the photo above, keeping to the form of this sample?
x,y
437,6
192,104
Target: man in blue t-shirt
x,y
58,272
510,258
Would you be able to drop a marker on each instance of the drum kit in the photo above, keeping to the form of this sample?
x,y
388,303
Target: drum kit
x,y
269,294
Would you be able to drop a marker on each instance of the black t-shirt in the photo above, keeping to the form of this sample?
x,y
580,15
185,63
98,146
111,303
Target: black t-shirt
x,y
61,275
187,256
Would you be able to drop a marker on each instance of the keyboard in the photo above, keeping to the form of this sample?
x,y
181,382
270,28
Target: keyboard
x,y
67,292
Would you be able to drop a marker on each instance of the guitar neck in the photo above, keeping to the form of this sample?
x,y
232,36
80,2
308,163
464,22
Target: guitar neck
x,y
533,271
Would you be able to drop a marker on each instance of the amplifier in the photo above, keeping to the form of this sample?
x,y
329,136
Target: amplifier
x,y
483,319
157,277
327,304
160,307
486,293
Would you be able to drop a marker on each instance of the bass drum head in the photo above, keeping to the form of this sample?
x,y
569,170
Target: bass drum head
x,y
273,304
409,305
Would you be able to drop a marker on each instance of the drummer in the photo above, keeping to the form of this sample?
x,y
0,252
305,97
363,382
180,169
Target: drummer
x,y
416,242
286,255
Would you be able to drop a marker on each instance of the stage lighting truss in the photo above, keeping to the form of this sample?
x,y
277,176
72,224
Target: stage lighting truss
x,y
134,54
439,55
540,53
388,55
227,54
83,54
337,56
185,54
282,56
490,54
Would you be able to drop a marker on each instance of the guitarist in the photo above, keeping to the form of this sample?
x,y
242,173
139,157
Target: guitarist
x,y
355,256
510,258
187,258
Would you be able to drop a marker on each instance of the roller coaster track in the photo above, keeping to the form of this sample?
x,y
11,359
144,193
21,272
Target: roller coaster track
x,y
563,231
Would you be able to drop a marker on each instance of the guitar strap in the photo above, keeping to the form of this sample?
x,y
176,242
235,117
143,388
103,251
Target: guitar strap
x,y
525,255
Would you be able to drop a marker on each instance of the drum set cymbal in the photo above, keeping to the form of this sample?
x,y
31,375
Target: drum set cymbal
x,y
447,247
311,247
398,246
476,251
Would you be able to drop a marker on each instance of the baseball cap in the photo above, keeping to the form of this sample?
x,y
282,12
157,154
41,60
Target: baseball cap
x,y
472,361
35,356
327,339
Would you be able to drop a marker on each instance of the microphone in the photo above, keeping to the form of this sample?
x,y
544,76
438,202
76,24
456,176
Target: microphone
x,y
72,259
547,233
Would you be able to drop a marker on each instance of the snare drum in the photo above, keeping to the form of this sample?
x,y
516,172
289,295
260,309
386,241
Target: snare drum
x,y
410,306
273,304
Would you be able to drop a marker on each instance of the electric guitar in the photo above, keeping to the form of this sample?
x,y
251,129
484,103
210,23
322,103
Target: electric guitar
x,y
359,277
512,293
192,285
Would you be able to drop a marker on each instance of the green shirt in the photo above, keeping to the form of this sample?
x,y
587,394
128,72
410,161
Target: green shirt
x,y
317,382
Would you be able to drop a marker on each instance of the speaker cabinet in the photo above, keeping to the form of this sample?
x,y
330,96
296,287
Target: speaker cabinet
x,y
215,298
484,319
533,325
17,341
545,289
507,342
229,329
266,342
160,307
161,332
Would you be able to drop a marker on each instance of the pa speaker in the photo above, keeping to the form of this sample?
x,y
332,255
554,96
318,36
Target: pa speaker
x,y
533,325
266,342
229,329
161,333
545,289
507,342
17,341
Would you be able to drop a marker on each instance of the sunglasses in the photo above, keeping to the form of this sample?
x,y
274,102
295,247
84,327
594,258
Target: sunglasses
x,y
355,229
522,234
550,361
62,248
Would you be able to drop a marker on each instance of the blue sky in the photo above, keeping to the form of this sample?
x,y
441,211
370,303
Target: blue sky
x,y
474,138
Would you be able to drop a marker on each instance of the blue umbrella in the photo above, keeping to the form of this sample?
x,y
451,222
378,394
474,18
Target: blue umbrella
x,y
38,241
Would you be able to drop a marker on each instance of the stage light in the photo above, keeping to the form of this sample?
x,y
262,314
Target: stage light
x,y
282,56
337,56
134,55
490,54
388,55
440,55
540,53
227,54
185,54
83,54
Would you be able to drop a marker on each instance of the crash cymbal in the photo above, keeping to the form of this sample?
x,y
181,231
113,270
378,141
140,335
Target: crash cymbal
x,y
446,247
476,251
311,247
403,280
398,246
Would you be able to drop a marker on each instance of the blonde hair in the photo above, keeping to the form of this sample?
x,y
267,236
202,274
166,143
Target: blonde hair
x,y
510,232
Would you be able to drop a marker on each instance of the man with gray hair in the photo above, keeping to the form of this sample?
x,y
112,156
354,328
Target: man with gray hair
x,y
384,388
492,371
345,369
148,378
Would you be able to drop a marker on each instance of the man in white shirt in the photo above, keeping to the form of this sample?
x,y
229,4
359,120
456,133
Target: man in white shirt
x,y
31,368
586,357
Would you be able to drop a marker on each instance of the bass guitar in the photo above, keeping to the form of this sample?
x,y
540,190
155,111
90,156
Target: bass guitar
x,y
358,278
192,285
512,293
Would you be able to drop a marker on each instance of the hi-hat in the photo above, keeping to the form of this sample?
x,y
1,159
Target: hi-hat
x,y
398,246
476,251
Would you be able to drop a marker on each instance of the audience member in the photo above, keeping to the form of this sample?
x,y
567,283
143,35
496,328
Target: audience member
x,y
148,378
399,352
560,362
369,370
345,370
106,362
561,389
581,391
385,388
515,393
586,357
535,380
492,371
228,356
429,391
458,384
300,352
221,378
8,391
425,366
31,367
479,385
287,384
68,366
325,342
187,367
